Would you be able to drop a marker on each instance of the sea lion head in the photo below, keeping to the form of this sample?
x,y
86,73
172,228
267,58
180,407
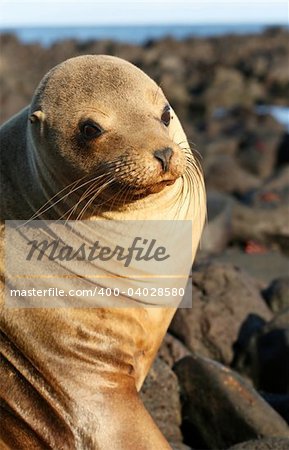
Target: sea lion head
x,y
100,116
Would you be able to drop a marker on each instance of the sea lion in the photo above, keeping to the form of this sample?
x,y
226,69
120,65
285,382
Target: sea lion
x,y
99,140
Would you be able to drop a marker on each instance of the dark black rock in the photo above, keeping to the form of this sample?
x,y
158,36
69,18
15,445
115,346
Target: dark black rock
x,y
223,297
217,231
273,192
265,359
172,350
258,151
277,294
283,151
160,394
223,173
279,402
262,226
272,356
250,327
263,444
223,406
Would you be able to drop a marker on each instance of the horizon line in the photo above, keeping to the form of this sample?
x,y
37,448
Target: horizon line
x,y
160,24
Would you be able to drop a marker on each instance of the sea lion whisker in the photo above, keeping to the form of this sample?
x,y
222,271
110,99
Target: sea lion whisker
x,y
99,190
71,185
74,207
179,199
115,197
192,172
105,200
49,201
94,196
91,188
156,94
123,194
87,193
191,144
40,210
195,174
64,197
196,160
194,151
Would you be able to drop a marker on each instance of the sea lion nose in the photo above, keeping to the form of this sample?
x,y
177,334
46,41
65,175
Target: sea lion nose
x,y
164,156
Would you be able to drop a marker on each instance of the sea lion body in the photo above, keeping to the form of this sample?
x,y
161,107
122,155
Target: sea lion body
x,y
70,376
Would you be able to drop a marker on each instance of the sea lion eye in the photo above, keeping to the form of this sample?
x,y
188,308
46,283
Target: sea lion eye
x,y
90,130
166,116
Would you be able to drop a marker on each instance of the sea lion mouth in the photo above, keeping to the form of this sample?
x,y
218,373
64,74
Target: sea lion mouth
x,y
162,184
167,182
159,186
135,192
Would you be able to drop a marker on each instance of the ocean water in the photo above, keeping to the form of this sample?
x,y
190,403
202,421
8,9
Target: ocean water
x,y
280,113
130,34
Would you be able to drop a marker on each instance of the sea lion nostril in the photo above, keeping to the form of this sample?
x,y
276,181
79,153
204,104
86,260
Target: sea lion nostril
x,y
164,156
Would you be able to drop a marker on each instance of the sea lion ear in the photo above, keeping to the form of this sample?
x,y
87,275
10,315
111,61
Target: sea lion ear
x,y
37,116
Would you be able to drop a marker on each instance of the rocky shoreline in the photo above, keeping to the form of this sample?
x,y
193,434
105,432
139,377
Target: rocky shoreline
x,y
221,377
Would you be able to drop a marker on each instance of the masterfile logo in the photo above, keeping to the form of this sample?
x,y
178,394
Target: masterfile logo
x,y
140,249
97,263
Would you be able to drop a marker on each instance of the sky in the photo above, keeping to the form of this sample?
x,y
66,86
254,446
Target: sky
x,y
97,12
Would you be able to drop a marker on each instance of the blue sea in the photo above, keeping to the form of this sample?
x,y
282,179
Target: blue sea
x,y
130,34
280,113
